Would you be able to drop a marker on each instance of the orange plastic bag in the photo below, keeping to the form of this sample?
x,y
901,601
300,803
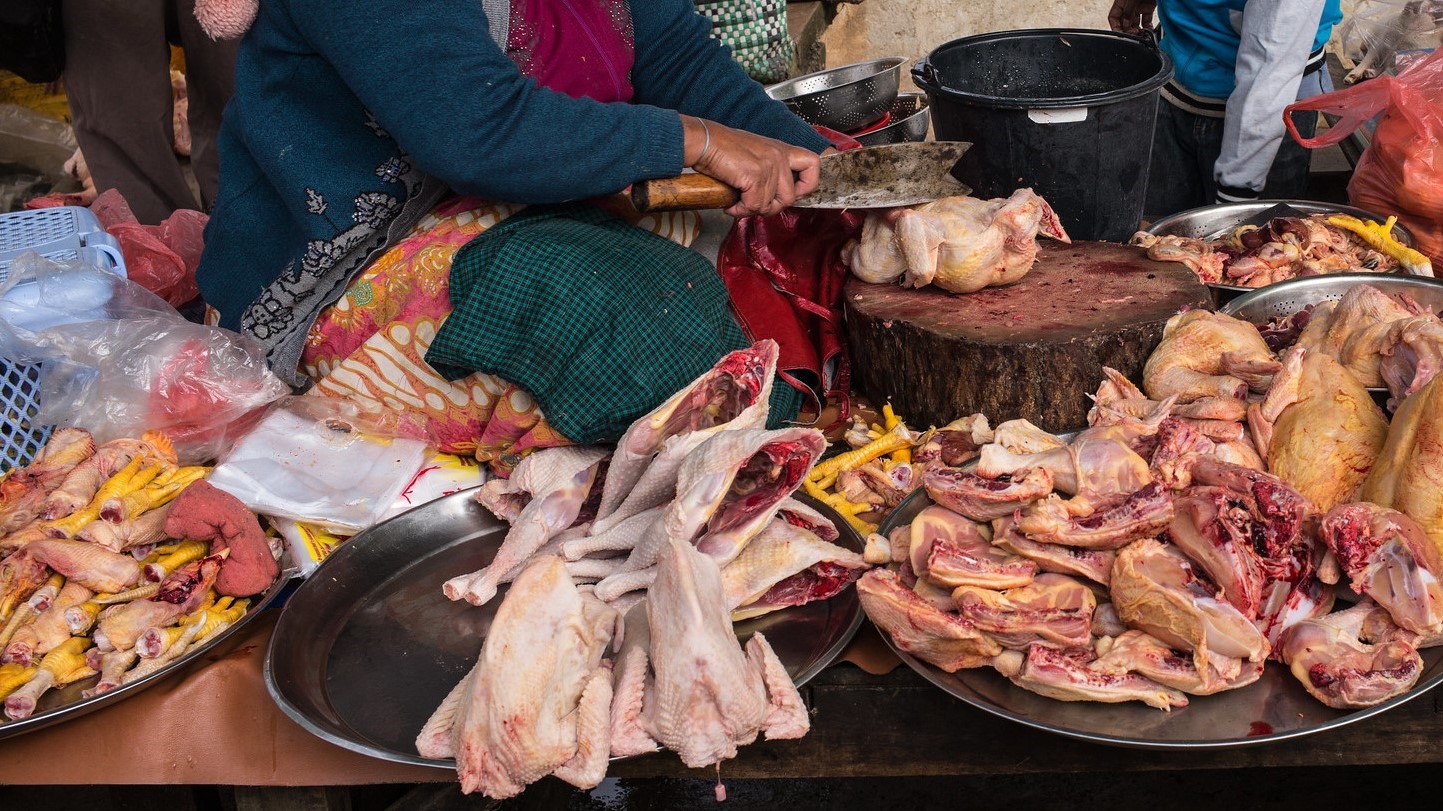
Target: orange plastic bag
x,y
1401,171
161,258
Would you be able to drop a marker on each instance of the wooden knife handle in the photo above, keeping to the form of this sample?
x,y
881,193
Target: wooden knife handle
x,y
682,193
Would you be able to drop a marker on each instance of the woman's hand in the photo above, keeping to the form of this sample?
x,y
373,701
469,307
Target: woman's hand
x,y
770,174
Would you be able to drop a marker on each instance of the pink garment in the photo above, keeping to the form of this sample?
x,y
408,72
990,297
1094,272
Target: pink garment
x,y
583,48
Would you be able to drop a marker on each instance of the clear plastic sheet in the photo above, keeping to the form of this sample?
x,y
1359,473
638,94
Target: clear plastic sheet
x,y
118,361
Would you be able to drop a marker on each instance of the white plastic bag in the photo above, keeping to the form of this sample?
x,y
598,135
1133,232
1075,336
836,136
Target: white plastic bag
x,y
119,361
321,461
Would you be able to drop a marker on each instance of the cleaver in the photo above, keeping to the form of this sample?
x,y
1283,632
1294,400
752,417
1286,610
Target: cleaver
x,y
869,177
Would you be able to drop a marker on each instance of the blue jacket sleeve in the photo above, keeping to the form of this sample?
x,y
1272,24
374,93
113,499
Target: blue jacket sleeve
x,y
431,75
679,67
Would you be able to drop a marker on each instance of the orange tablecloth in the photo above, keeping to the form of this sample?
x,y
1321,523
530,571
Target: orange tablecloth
x,y
215,724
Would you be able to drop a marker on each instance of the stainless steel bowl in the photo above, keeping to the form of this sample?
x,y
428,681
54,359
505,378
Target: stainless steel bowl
x,y
910,117
1211,222
1285,298
846,98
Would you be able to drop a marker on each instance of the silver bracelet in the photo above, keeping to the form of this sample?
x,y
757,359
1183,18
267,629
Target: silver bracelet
x,y
706,144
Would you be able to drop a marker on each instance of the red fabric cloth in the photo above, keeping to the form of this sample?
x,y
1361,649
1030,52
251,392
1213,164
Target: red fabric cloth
x,y
785,276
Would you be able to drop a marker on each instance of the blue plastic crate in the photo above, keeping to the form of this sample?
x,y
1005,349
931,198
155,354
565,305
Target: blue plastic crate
x,y
66,233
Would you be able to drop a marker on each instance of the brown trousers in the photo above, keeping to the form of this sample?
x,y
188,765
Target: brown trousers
x,y
117,79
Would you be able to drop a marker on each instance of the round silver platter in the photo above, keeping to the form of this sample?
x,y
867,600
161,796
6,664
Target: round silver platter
x,y
1274,708
67,702
1212,222
368,645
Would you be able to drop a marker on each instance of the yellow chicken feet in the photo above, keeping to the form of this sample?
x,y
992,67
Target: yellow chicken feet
x,y
60,667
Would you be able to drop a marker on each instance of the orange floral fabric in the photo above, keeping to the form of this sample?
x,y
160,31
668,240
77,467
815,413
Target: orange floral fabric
x,y
370,346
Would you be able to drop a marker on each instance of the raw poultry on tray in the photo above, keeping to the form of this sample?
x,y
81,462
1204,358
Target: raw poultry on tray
x,y
1201,526
627,571
1285,248
118,561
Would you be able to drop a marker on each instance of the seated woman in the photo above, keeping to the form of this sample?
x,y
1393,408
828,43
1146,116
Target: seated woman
x,y
367,142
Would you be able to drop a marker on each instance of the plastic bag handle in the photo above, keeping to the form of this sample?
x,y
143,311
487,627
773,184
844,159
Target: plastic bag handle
x,y
1355,106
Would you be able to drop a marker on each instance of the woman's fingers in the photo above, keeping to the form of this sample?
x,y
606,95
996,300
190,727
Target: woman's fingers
x,y
769,174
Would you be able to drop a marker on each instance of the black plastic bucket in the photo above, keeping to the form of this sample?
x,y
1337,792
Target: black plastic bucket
x,y
1068,112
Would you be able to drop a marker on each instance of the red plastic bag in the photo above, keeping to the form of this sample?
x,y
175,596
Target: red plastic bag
x,y
161,258
785,277
1401,172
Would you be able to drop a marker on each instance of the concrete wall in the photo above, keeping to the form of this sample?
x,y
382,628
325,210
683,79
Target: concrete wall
x,y
912,28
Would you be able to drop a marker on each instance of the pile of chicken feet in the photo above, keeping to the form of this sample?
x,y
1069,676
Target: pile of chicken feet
x,y
1195,530
118,561
627,569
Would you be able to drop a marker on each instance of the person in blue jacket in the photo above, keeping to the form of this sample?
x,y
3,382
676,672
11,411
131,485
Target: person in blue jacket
x,y
1220,136
350,121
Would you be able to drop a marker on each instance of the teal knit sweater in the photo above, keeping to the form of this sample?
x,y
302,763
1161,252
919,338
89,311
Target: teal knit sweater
x,y
349,120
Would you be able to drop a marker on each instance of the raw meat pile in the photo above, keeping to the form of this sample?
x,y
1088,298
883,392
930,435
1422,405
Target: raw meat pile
x,y
118,562
960,244
1284,248
629,567
1168,550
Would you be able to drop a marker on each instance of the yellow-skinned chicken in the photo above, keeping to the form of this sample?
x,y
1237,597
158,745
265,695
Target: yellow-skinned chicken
x,y
1408,474
61,666
1318,428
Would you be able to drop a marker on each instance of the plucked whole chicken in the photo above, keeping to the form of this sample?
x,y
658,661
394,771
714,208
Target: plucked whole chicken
x,y
627,569
960,244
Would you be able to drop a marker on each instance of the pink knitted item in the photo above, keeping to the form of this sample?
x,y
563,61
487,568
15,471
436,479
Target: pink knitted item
x,y
226,19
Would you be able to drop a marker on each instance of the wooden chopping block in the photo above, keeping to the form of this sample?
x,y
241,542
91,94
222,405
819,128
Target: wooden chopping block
x,y
1031,350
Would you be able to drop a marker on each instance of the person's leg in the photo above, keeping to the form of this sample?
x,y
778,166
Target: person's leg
x,y
1288,176
117,81
209,81
1174,182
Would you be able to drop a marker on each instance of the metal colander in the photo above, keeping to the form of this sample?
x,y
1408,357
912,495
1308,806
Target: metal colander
x,y
908,124
1285,298
845,98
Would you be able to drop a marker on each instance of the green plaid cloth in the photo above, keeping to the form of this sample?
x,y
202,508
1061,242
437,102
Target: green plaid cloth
x,y
597,319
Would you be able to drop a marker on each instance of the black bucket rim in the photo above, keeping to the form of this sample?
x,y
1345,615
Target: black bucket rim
x,y
923,67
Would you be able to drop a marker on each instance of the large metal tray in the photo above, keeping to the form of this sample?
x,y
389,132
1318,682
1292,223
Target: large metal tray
x,y
368,645
67,703
1274,708
1211,222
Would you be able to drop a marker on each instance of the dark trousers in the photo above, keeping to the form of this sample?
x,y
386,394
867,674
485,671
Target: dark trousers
x,y
1186,145
117,80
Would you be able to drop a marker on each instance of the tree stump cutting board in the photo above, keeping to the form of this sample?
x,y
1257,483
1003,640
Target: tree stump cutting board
x,y
1032,350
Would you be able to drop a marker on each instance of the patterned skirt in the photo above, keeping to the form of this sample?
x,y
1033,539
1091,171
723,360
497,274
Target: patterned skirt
x,y
370,346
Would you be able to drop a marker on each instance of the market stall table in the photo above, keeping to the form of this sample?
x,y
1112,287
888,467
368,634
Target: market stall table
x,y
216,725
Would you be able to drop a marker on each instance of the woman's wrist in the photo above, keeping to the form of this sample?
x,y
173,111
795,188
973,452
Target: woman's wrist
x,y
696,140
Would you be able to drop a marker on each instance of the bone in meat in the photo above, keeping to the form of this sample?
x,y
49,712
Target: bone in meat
x,y
559,480
1343,661
786,565
982,499
919,628
100,569
732,395
1066,676
1142,514
1387,556
1053,609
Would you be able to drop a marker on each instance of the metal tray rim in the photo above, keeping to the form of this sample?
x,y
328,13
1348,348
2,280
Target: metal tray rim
x,y
296,714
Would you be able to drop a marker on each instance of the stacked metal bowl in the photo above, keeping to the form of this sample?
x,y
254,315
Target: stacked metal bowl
x,y
860,100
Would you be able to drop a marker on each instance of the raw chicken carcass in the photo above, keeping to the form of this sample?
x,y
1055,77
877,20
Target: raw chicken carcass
x,y
1066,675
1196,253
1155,589
1053,609
982,499
1387,557
1412,356
1355,330
1348,660
1318,428
1093,564
1095,467
1204,354
1408,473
543,497
961,244
727,490
1137,652
1142,514
786,565
731,395
950,551
705,696
921,629
537,701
